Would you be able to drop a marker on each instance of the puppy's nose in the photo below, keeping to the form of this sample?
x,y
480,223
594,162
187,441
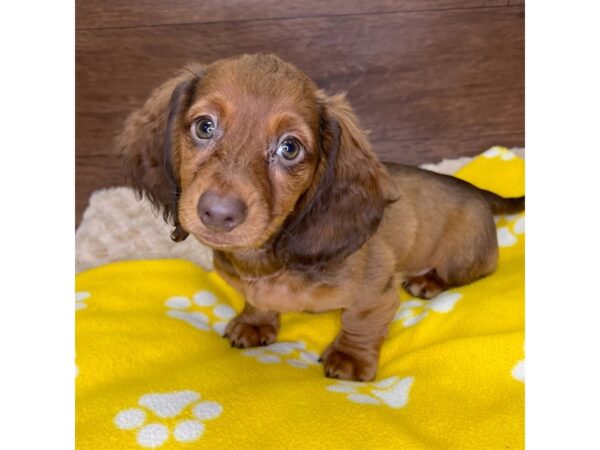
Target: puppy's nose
x,y
221,213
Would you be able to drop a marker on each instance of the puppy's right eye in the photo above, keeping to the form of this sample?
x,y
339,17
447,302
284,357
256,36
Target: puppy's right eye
x,y
203,128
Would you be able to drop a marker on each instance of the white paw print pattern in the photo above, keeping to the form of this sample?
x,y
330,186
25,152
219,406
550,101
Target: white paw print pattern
x,y
293,353
80,297
508,228
202,311
392,391
182,408
415,310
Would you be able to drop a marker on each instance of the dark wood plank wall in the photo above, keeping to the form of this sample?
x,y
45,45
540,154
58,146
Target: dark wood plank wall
x,y
431,79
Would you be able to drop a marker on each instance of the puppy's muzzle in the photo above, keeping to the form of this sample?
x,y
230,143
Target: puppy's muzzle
x,y
220,213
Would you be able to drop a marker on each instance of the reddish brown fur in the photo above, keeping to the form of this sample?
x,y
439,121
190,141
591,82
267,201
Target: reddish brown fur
x,y
332,230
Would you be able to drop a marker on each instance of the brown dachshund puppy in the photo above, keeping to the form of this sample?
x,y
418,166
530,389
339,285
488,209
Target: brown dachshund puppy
x,y
251,158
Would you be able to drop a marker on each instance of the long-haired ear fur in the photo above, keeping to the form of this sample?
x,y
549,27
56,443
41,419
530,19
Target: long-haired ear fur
x,y
147,140
345,205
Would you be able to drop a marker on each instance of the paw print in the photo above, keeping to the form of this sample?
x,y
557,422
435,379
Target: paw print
x,y
293,353
202,311
509,227
180,409
392,391
414,311
80,297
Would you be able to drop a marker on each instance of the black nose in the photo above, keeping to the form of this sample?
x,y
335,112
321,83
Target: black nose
x,y
220,213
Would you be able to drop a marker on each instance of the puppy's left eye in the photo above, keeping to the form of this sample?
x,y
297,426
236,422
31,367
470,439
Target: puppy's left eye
x,y
289,149
203,128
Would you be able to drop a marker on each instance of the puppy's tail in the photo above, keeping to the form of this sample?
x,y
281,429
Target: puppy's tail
x,y
503,205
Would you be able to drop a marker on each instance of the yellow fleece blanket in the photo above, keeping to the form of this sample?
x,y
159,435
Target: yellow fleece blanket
x,y
152,370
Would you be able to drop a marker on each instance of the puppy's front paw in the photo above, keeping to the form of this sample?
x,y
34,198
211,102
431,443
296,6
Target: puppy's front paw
x,y
343,366
244,335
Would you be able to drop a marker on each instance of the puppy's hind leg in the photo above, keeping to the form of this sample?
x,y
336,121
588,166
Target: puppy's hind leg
x,y
461,257
462,268
453,273
426,285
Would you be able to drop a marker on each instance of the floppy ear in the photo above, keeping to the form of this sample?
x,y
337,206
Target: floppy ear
x,y
345,205
147,141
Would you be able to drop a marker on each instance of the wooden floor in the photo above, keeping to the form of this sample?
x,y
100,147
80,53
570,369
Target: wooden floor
x,y
431,79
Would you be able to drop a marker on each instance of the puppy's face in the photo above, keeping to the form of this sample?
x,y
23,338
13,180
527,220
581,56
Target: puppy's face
x,y
248,150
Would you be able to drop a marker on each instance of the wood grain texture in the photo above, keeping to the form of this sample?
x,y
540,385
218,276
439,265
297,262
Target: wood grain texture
x,y
91,14
428,85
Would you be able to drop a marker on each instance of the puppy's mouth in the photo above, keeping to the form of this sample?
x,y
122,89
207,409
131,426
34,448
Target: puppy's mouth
x,y
217,243
240,238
